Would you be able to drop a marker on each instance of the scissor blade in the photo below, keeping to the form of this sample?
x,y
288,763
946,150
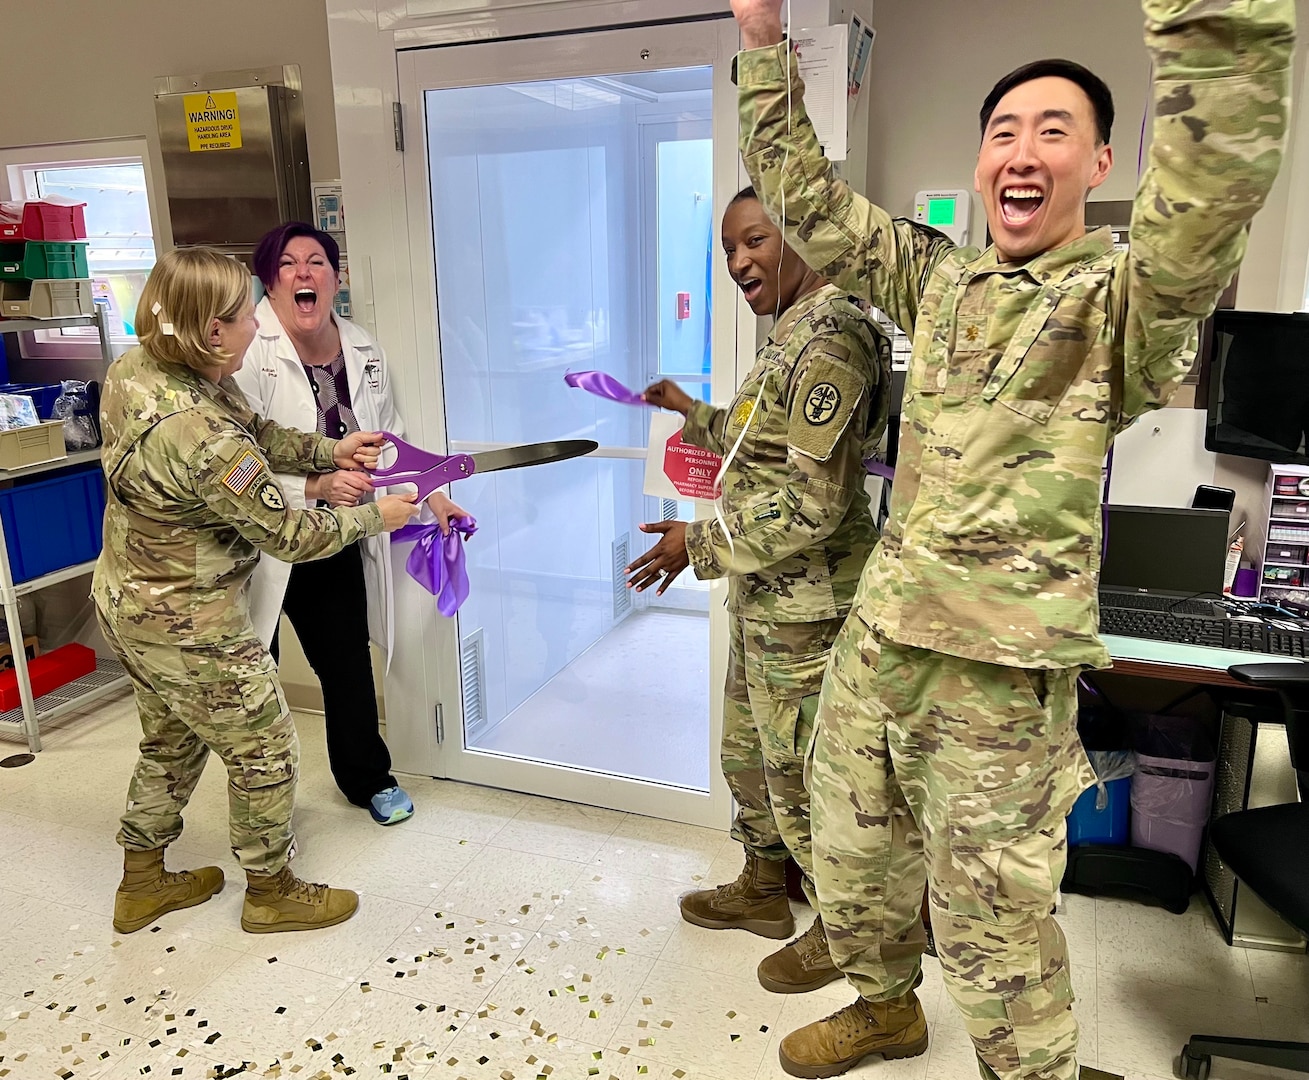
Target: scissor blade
x,y
516,457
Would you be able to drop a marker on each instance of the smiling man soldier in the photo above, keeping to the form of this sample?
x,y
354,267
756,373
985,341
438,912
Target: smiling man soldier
x,y
946,732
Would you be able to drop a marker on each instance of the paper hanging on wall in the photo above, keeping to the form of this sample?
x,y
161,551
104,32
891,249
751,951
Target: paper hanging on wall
x,y
823,61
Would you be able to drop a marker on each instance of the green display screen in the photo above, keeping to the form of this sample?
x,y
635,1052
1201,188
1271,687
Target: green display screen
x,y
940,211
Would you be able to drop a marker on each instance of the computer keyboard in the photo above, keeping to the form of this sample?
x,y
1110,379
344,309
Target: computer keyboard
x,y
1165,626
1217,632
1146,602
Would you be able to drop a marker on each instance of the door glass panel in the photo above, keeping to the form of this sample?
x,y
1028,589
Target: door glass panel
x,y
546,198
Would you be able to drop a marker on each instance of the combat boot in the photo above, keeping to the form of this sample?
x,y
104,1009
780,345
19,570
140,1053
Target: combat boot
x,y
281,901
829,1047
148,890
755,901
804,965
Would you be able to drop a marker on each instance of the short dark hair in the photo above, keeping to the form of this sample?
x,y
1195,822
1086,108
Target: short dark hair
x,y
269,251
1102,100
747,192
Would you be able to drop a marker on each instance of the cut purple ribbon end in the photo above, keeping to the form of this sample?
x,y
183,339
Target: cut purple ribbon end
x,y
604,385
437,562
879,468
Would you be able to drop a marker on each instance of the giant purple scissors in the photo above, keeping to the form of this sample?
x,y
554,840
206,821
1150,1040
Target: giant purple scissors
x,y
431,471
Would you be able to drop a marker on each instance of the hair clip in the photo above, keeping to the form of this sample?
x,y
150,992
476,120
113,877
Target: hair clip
x,y
166,328
156,308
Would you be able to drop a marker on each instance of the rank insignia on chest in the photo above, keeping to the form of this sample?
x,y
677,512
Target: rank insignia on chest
x,y
744,414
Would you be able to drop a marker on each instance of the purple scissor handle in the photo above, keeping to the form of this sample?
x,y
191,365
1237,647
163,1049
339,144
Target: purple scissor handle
x,y
429,471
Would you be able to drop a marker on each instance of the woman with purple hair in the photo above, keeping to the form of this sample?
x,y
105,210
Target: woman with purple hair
x,y
310,369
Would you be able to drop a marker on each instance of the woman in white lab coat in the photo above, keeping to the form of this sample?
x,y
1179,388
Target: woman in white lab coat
x,y
309,369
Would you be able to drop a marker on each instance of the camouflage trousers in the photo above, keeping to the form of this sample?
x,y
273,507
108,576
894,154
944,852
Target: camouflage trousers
x,y
225,698
928,764
774,672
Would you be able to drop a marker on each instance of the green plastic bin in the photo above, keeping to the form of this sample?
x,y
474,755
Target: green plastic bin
x,y
35,260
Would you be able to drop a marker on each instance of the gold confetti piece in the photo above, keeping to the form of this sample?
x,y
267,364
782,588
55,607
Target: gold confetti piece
x,y
731,1014
641,1070
678,1074
624,1049
665,1023
593,1015
734,1038
643,1023
647,1001
452,1062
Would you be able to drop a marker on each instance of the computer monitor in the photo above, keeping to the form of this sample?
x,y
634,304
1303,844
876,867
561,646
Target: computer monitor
x,y
1258,390
1165,551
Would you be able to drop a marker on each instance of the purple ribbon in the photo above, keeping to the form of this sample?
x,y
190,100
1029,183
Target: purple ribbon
x,y
604,385
437,562
879,468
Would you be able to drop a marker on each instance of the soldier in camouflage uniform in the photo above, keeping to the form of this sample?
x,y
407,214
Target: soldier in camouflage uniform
x,y
798,534
946,727
191,501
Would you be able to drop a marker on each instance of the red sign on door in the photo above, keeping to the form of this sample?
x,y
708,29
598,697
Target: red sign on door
x,y
683,306
691,469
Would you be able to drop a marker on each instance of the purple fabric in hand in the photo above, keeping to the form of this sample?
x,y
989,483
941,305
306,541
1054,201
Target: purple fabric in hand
x,y
437,562
604,385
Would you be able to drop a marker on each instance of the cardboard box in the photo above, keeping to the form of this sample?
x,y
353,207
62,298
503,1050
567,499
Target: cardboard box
x,y
30,646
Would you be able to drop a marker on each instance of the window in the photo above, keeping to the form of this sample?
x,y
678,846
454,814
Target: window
x,y
120,235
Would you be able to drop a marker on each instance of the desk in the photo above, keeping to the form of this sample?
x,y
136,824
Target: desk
x,y
1237,784
1170,660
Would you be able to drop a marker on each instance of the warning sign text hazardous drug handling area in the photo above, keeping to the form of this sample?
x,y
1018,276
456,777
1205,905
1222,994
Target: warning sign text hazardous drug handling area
x,y
212,120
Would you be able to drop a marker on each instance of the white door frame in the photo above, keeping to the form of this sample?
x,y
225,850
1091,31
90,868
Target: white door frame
x,y
424,674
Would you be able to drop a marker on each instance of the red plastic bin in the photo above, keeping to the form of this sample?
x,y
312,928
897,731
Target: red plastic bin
x,y
39,220
49,672
42,221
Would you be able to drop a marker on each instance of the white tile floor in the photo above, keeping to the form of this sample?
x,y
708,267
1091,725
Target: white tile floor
x,y
500,936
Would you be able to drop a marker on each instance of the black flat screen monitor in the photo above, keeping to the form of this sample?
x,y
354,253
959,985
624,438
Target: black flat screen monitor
x,y
1259,386
1155,549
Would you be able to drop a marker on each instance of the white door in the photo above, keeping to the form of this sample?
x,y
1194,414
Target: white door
x,y
564,209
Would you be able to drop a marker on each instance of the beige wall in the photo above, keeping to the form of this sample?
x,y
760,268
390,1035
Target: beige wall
x,y
85,70
924,133
87,73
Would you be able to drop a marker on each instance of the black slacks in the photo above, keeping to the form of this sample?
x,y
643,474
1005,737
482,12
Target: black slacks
x,y
327,605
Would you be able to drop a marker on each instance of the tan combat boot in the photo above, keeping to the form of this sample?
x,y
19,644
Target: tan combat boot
x,y
828,1047
802,966
278,902
148,890
755,901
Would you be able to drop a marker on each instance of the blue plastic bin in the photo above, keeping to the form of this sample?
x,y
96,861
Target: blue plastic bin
x,y
51,524
1087,825
43,395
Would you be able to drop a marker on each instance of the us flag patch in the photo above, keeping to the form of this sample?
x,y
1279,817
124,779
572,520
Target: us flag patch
x,y
241,475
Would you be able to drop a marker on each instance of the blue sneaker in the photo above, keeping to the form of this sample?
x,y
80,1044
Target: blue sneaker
x,y
391,805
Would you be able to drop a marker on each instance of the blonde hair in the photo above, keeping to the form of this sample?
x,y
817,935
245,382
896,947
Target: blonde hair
x,y
187,290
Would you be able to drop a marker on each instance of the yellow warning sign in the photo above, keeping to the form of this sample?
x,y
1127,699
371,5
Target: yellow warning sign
x,y
212,120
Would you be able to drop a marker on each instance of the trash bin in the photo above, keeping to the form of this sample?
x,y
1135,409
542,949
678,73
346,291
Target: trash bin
x,y
1100,815
1173,786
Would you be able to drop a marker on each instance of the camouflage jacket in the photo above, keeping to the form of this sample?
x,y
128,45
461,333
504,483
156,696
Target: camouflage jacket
x,y
1021,375
192,500
793,496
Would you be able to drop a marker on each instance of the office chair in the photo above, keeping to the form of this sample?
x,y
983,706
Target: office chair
x,y
1268,849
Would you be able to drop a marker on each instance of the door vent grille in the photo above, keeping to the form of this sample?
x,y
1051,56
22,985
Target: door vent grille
x,y
622,594
472,679
669,510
